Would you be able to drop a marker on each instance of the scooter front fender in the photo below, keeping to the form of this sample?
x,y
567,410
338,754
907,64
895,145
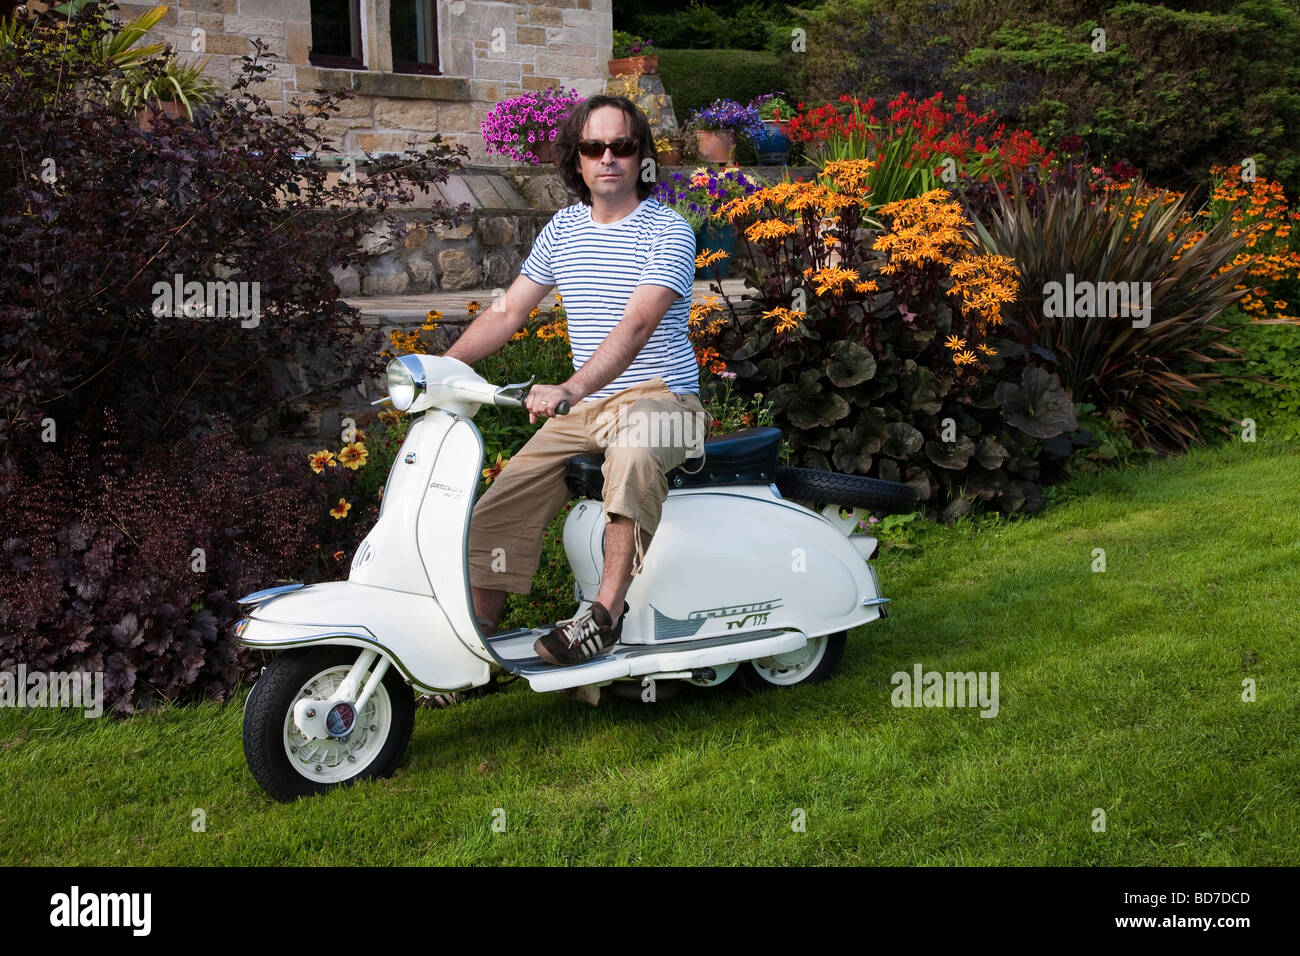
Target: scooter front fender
x,y
411,630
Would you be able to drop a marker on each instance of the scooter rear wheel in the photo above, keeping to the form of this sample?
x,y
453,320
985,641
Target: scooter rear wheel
x,y
285,763
813,663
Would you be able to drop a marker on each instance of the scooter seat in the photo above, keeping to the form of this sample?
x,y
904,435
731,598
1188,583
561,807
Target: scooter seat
x,y
746,457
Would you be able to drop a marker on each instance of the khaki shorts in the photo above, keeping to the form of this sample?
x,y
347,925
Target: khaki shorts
x,y
645,431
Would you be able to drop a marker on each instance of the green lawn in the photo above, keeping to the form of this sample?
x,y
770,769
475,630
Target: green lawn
x,y
1119,690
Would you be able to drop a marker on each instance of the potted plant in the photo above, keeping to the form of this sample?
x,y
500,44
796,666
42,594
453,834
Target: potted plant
x,y
773,148
669,149
524,127
697,198
632,55
718,123
167,87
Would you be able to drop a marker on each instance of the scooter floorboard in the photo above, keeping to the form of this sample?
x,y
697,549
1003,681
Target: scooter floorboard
x,y
515,648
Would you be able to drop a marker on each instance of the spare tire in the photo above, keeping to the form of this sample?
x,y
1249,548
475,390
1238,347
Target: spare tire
x,y
849,491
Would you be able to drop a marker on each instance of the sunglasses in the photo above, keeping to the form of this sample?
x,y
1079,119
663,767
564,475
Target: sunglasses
x,y
621,147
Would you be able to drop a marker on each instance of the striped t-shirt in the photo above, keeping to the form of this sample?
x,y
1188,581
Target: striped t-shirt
x,y
596,266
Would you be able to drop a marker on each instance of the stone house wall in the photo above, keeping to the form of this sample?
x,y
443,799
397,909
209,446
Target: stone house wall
x,y
488,51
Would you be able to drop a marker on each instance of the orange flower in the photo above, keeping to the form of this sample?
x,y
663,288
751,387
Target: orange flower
x,y
955,342
964,358
473,307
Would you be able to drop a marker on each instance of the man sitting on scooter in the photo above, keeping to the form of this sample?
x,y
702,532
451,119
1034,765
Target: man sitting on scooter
x,y
624,264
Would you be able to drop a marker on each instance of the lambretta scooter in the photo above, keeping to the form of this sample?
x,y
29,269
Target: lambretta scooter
x,y
741,582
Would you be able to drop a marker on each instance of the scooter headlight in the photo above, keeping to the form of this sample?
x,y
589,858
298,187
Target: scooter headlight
x,y
405,381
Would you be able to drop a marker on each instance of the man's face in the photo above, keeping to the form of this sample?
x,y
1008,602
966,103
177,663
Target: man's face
x,y
609,177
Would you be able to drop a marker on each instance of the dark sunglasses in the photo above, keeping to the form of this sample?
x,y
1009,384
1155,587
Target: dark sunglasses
x,y
595,148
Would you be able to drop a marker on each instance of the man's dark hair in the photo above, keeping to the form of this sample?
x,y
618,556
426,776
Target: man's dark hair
x,y
570,131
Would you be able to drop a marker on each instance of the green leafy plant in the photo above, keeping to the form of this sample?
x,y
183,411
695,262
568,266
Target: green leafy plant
x,y
872,346
166,80
1134,235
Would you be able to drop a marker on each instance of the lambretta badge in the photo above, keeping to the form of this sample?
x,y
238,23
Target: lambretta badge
x,y
745,615
448,490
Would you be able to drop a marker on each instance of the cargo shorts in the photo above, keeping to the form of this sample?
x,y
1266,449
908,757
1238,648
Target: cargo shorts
x,y
644,431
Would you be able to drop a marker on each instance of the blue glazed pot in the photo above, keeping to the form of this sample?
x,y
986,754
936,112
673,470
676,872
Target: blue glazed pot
x,y
716,235
775,147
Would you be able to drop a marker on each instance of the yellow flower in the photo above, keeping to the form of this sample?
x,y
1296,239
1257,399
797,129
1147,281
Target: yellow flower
x,y
986,350
521,334
341,509
321,460
787,319
769,229
535,312
868,286
431,319
702,310
494,469
391,416
964,358
473,307
833,279
353,456
955,342
708,258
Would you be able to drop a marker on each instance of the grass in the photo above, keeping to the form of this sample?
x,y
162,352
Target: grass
x,y
1119,690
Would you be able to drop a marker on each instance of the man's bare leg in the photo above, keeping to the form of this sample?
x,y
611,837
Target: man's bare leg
x,y
488,605
619,554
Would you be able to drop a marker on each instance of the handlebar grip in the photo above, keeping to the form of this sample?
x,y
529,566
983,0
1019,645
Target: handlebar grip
x,y
562,408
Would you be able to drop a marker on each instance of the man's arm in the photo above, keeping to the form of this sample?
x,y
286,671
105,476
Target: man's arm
x,y
503,318
645,310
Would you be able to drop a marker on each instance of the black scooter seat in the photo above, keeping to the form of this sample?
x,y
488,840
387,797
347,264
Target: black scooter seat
x,y
746,457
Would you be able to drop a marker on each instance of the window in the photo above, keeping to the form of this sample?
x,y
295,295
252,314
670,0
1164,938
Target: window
x,y
336,33
413,26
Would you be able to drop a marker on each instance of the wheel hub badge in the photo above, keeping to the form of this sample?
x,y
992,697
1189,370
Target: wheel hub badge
x,y
338,722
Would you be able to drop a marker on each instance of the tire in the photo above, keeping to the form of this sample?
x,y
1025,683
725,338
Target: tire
x,y
850,491
813,664
269,730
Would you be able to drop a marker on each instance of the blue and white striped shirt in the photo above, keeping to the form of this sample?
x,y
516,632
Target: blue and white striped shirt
x,y
596,266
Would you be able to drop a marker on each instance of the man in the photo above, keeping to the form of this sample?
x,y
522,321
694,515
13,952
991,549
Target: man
x,y
624,264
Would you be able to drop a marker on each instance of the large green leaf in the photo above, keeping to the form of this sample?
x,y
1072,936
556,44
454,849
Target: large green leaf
x,y
850,364
811,411
1038,406
903,441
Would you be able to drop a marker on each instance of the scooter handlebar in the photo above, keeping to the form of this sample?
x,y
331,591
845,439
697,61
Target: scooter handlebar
x,y
514,396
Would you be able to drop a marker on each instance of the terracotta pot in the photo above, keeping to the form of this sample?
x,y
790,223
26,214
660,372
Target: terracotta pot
x,y
670,157
544,151
145,115
716,145
633,65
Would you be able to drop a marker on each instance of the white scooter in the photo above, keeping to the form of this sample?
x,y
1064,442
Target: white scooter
x,y
740,580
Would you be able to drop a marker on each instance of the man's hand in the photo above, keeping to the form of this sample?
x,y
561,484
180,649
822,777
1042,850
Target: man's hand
x,y
543,400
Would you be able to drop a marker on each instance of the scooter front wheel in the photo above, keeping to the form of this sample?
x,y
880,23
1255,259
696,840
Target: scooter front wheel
x,y
816,661
285,763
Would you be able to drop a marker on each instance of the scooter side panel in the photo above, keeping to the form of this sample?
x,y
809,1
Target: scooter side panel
x,y
443,527
411,630
389,557
735,560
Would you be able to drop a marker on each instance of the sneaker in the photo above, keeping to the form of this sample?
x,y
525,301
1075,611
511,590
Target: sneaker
x,y
580,638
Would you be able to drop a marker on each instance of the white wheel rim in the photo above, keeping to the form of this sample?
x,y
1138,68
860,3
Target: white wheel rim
x,y
333,759
792,666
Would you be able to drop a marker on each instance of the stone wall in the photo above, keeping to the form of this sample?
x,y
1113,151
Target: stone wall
x,y
484,252
488,51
